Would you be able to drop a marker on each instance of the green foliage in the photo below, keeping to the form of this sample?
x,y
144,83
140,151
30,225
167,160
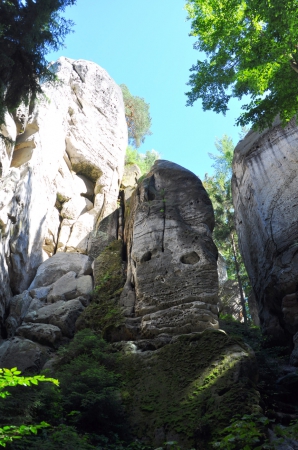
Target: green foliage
x,y
246,433
251,432
290,432
137,117
251,49
85,412
89,396
62,437
185,387
11,378
143,160
103,314
28,31
219,190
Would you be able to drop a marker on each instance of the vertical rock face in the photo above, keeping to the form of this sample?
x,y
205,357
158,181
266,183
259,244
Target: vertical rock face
x,y
63,174
172,281
265,194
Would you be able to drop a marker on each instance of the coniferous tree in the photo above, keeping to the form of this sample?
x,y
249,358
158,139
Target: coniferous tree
x,y
137,117
29,29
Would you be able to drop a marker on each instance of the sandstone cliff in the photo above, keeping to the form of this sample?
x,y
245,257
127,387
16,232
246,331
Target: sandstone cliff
x,y
171,282
265,187
62,175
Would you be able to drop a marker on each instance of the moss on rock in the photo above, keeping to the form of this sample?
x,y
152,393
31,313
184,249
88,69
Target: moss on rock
x,y
103,314
190,389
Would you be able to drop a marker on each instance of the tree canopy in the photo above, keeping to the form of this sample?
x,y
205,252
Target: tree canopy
x,y
28,31
137,117
143,160
219,189
251,48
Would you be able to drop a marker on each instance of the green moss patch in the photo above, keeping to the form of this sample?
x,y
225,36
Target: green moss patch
x,y
103,313
188,390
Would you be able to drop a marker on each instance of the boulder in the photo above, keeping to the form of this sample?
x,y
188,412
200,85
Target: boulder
x,y
44,314
265,196
61,263
172,280
69,287
66,315
61,314
23,354
44,334
40,293
19,306
35,305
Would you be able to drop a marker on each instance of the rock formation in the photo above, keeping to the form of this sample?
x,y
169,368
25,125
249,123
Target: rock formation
x,y
62,175
146,253
265,194
171,284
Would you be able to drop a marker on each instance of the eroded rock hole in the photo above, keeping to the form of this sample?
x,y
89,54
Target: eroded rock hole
x,y
146,257
190,258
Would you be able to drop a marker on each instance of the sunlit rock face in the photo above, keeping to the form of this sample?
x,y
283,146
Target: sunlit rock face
x,y
63,174
265,195
172,282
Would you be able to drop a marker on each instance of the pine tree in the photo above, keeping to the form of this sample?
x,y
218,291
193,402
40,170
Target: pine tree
x,y
28,31
137,117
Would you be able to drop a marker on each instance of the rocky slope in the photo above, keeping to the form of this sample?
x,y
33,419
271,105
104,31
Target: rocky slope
x,y
265,186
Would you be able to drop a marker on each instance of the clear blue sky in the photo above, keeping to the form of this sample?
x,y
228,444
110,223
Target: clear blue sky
x,y
145,44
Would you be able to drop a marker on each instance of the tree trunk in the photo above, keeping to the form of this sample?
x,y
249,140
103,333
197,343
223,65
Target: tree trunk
x,y
239,280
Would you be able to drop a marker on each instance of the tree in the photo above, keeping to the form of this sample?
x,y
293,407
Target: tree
x,y
28,31
251,48
12,377
137,117
143,160
218,187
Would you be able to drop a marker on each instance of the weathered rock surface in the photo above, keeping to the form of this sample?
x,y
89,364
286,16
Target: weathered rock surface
x,y
9,132
294,354
172,280
44,334
185,390
129,182
230,300
66,167
19,306
265,195
61,314
69,287
40,293
27,354
56,266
